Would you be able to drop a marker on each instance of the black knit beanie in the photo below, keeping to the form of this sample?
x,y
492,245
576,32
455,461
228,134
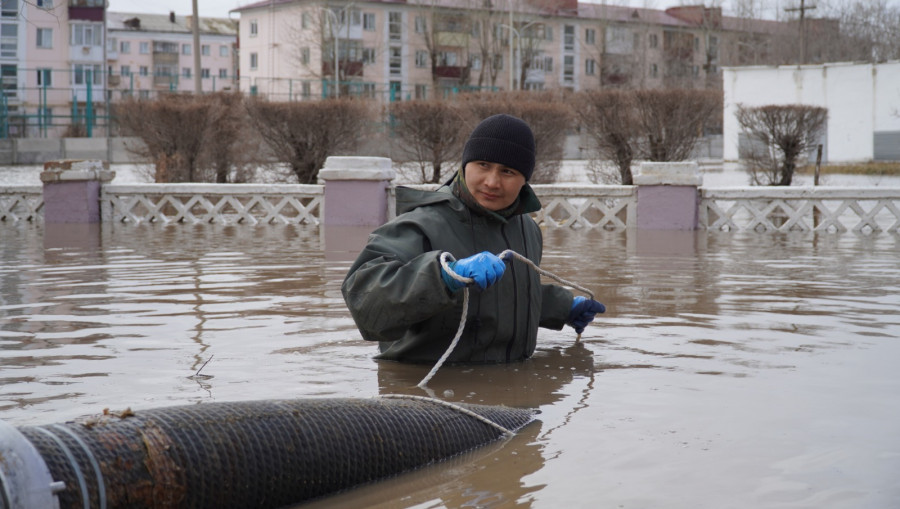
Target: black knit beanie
x,y
502,139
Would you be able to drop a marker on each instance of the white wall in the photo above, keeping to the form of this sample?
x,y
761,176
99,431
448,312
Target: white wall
x,y
861,99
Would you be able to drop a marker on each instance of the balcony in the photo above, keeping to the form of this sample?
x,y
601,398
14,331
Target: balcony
x,y
87,10
449,71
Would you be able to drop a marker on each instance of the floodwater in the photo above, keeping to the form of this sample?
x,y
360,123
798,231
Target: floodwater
x,y
731,370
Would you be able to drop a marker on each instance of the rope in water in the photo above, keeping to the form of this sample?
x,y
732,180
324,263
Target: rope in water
x,y
454,406
445,260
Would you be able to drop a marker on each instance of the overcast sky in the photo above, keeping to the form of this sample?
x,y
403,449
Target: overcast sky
x,y
220,8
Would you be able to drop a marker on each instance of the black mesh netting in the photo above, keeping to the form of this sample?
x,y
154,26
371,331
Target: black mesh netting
x,y
256,454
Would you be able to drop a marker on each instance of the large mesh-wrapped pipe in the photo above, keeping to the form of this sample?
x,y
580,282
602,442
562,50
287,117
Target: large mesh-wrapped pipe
x,y
244,454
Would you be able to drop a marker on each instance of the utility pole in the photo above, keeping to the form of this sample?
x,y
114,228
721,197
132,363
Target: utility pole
x,y
195,28
803,8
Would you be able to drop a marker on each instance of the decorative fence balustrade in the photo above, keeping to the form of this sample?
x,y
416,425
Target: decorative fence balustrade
x,y
21,203
212,203
820,209
606,207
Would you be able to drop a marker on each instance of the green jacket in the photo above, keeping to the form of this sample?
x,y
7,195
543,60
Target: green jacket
x,y
396,295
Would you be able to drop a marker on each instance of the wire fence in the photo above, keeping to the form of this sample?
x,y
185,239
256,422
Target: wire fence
x,y
80,101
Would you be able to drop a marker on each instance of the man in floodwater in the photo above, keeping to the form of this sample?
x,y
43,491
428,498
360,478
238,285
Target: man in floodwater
x,y
399,294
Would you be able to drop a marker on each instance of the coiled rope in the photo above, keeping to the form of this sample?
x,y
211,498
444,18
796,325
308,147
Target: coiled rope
x,y
445,260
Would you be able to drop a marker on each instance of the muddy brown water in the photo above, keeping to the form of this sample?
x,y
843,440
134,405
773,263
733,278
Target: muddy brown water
x,y
730,370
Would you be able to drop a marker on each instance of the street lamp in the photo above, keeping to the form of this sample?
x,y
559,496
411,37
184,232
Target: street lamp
x,y
512,66
511,61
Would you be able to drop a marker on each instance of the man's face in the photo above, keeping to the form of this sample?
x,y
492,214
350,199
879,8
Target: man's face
x,y
493,185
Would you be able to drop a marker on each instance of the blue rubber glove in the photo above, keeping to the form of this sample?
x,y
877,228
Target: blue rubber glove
x,y
583,311
485,268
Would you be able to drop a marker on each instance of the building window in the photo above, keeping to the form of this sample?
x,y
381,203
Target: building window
x,y
305,20
654,70
144,94
636,42
45,77
223,51
568,68
144,48
164,70
695,71
223,73
368,55
369,21
696,44
254,60
395,26
420,25
396,61
144,70
186,72
125,70
548,64
87,34
9,41
204,73
421,58
590,67
45,38
422,92
45,4
10,8
475,62
448,58
653,40
569,38
254,28
590,36
84,73
204,50
185,49
305,89
125,47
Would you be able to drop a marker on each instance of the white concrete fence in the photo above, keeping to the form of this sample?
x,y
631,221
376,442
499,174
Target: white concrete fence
x,y
358,191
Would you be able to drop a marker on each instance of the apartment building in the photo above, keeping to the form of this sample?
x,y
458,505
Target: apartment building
x,y
401,49
62,62
152,53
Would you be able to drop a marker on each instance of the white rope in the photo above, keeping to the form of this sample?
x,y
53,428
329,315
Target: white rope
x,y
454,406
509,253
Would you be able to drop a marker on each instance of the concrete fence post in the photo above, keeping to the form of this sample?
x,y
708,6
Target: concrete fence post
x,y
355,202
72,190
668,196
356,190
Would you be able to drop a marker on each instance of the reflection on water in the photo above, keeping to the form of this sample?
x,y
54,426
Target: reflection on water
x,y
751,367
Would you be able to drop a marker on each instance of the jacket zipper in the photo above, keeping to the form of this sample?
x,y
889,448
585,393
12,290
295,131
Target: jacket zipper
x,y
512,267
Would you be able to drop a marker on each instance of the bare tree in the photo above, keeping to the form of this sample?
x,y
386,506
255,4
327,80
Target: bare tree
x,y
446,35
671,121
656,125
231,147
429,133
320,36
173,128
304,134
777,137
489,45
609,119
